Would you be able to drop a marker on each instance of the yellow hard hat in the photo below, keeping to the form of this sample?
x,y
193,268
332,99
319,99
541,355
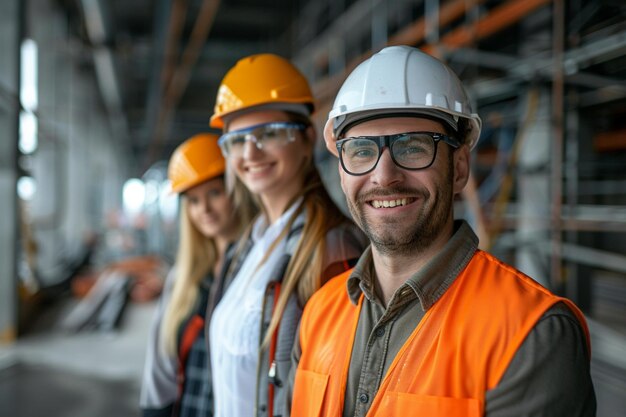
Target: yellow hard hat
x,y
196,160
261,79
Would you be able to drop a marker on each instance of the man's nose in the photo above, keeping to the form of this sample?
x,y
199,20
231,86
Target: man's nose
x,y
386,171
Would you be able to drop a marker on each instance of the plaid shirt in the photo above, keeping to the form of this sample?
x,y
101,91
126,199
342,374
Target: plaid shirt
x,y
197,397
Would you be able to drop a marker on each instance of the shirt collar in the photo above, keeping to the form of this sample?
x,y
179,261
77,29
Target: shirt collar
x,y
430,282
260,228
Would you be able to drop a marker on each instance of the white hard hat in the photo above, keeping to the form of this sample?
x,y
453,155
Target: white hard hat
x,y
400,81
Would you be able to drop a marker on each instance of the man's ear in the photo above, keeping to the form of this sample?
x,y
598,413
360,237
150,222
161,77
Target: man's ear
x,y
461,163
342,175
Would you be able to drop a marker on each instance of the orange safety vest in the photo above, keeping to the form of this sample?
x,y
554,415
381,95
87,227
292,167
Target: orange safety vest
x,y
460,349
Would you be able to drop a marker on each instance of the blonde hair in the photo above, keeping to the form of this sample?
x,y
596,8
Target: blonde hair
x,y
304,274
304,271
197,255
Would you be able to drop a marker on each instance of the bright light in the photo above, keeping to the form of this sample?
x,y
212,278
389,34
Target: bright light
x,y
28,133
168,202
29,97
28,88
134,196
152,192
26,188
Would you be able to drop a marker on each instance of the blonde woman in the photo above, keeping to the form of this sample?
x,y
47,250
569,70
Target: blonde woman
x,y
177,377
299,240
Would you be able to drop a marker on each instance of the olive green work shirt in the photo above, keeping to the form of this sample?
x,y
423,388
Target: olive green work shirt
x,y
548,376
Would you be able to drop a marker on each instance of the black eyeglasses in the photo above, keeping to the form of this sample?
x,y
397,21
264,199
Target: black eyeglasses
x,y
412,150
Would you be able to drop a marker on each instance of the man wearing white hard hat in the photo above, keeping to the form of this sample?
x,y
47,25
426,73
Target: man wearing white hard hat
x,y
427,324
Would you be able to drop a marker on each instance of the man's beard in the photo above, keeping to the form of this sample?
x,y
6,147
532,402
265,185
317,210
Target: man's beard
x,y
401,238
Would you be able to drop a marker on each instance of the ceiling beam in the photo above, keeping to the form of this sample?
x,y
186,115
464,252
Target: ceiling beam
x,y
498,18
495,20
523,69
98,32
259,16
162,12
181,76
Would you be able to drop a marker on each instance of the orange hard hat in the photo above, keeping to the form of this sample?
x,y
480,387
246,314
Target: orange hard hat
x,y
261,79
196,160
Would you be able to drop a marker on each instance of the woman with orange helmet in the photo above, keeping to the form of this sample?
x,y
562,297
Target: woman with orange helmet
x,y
176,381
299,240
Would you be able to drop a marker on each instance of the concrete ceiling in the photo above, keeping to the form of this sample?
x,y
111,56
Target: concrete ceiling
x,y
169,56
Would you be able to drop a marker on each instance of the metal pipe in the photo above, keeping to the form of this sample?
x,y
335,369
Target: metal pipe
x,y
162,14
379,26
431,13
499,18
192,51
176,25
182,74
556,189
415,33
579,254
97,26
14,12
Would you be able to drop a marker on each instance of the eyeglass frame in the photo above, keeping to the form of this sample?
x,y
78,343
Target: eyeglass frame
x,y
386,141
258,143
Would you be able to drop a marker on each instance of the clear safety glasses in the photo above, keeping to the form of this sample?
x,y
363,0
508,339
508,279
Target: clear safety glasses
x,y
412,150
265,136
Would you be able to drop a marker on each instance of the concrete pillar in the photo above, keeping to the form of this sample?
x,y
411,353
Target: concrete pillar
x,y
79,166
51,162
533,176
10,34
533,180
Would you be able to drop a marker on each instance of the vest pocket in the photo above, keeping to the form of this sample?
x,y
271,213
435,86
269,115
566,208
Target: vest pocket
x,y
397,404
308,393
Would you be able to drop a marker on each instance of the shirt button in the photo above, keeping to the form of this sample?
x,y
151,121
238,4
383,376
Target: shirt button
x,y
364,398
379,332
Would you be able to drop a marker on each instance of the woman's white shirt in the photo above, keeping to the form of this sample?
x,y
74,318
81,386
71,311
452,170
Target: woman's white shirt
x,y
235,325
236,322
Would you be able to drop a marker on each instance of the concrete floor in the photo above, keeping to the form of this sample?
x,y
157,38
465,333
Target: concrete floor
x,y
50,372
39,390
